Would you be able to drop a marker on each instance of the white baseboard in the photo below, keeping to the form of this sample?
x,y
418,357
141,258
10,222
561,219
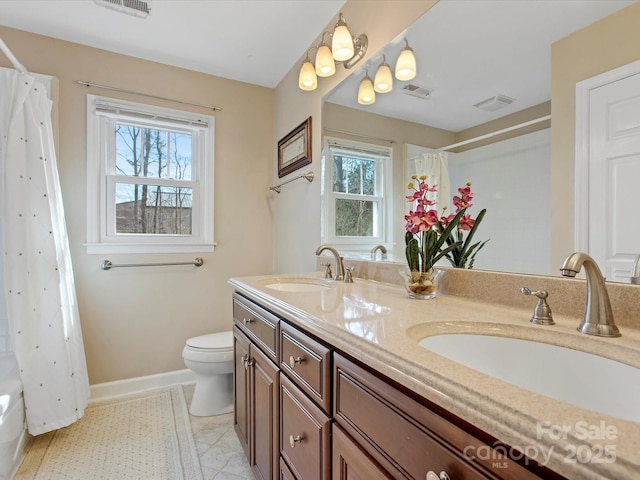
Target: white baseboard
x,y
101,391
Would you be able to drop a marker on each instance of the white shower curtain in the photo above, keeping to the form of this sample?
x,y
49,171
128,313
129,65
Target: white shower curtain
x,y
39,287
434,165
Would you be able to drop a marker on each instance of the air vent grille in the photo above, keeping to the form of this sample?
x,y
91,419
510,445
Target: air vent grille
x,y
416,91
495,103
138,8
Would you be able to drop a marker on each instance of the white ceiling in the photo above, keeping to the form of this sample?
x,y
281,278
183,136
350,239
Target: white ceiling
x,y
254,41
470,50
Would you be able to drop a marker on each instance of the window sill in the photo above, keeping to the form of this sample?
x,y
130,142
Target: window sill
x,y
124,248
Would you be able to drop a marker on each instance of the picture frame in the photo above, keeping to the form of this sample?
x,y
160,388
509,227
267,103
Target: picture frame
x,y
294,149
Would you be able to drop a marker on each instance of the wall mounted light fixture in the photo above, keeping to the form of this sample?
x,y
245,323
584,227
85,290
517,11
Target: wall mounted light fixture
x,y
307,79
383,81
406,64
366,92
325,64
344,48
342,42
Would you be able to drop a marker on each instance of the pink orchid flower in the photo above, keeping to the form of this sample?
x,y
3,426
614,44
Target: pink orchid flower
x,y
466,223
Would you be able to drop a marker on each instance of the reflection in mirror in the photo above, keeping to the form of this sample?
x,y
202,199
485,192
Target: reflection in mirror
x,y
471,54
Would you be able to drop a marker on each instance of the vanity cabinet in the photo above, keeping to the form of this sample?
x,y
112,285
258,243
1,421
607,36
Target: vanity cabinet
x,y
305,411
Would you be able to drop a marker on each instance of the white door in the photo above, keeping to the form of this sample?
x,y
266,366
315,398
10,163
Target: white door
x,y
614,176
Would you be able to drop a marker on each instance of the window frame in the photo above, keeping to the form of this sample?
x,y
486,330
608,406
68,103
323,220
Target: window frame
x,y
383,157
102,115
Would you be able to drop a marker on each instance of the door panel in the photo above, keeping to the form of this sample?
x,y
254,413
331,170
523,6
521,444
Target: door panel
x,y
614,171
241,389
264,422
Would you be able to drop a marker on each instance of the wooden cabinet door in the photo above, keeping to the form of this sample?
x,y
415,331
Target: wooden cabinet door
x,y
350,462
285,473
264,416
241,389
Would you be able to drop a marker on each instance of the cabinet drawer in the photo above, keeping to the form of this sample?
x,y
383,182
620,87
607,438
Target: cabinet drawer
x,y
307,363
258,324
404,436
305,435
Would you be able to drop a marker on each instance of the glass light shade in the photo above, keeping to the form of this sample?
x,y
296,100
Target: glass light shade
x,y
383,82
307,79
342,43
325,66
406,65
366,93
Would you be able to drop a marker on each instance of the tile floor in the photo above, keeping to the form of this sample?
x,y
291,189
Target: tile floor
x,y
220,452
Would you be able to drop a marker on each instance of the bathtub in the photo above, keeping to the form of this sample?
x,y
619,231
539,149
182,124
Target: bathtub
x,y
13,431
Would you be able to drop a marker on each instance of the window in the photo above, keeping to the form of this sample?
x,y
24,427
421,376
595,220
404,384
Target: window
x,y
355,208
149,178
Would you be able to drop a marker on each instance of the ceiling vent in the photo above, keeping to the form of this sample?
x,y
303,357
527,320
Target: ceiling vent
x,y
495,103
416,91
138,8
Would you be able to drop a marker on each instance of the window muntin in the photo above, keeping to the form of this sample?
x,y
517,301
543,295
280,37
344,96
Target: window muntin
x,y
153,169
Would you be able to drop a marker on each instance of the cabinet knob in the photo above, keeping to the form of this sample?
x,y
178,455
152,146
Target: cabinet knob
x,y
293,440
293,360
247,320
431,475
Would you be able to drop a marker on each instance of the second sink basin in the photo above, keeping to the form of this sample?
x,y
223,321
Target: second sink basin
x,y
579,378
296,284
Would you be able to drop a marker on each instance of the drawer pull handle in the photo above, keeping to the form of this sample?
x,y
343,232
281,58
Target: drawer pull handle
x,y
247,361
293,440
247,320
293,360
431,475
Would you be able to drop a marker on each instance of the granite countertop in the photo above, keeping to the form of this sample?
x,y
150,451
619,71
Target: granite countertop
x,y
378,324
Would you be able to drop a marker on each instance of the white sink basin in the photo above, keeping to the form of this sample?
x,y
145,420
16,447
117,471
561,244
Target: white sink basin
x,y
579,378
301,285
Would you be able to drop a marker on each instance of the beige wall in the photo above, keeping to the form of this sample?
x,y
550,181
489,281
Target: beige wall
x,y
135,320
296,211
603,46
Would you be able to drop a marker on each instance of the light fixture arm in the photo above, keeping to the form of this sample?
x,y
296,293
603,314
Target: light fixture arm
x,y
307,57
361,42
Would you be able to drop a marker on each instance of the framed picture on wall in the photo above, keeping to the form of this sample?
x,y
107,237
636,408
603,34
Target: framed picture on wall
x,y
294,150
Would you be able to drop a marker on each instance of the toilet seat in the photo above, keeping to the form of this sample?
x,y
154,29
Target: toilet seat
x,y
212,342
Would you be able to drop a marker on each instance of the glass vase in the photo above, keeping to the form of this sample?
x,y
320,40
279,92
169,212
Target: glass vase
x,y
422,285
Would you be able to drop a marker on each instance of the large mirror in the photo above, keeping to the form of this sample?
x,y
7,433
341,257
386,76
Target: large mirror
x,y
484,67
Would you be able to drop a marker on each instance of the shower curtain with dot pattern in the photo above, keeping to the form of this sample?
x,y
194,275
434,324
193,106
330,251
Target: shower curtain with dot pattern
x,y
39,287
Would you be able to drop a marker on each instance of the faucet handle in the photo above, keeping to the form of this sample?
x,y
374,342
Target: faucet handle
x,y
327,271
348,274
542,310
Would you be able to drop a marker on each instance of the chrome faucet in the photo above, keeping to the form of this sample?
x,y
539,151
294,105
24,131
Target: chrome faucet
x,y
598,315
635,273
383,251
339,275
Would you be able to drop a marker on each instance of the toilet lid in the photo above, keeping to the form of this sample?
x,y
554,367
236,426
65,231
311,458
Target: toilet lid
x,y
212,341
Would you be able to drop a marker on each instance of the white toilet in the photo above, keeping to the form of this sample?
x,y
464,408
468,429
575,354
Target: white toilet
x,y
210,357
